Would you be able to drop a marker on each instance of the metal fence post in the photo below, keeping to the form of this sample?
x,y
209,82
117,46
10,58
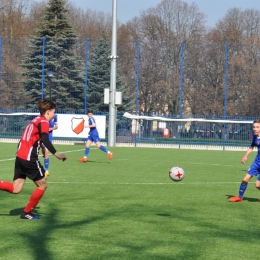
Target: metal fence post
x,y
225,93
181,86
137,85
137,77
86,77
1,49
112,91
43,56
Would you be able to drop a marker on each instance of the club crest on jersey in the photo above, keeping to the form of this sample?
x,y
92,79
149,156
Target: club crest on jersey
x,y
77,125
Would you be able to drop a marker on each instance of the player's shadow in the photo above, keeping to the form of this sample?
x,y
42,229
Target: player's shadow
x,y
17,212
163,215
90,161
245,198
251,199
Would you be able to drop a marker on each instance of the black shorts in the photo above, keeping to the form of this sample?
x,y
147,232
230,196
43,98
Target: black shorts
x,y
33,170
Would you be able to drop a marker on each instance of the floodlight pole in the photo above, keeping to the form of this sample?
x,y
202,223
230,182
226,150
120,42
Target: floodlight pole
x,y
112,92
50,75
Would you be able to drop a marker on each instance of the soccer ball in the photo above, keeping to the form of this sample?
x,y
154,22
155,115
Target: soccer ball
x,y
176,173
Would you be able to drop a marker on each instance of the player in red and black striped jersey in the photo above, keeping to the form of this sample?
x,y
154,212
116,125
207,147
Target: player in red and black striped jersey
x,y
27,163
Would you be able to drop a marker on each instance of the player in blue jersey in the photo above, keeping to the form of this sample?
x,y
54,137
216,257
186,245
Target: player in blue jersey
x,y
254,169
53,125
93,137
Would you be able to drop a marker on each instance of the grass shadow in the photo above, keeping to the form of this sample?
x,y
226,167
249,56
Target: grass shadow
x,y
49,224
251,199
90,161
17,212
245,198
99,162
163,215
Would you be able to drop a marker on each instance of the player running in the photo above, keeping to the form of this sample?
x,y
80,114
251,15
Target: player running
x,y
254,169
93,137
27,163
53,125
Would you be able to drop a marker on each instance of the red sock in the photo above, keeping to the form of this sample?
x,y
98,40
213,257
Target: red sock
x,y
6,186
34,200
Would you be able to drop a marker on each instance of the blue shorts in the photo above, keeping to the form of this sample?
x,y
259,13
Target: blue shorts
x,y
254,170
94,138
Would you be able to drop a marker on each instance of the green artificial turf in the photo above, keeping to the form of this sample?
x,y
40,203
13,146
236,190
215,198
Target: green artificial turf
x,y
129,208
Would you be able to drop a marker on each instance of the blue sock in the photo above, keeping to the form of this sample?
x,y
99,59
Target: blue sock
x,y
86,152
46,163
103,148
242,190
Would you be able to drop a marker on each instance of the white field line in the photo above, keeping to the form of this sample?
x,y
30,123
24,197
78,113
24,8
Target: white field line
x,y
141,183
136,183
11,159
5,160
80,150
213,164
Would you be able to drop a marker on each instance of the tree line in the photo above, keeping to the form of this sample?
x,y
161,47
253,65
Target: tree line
x,y
161,31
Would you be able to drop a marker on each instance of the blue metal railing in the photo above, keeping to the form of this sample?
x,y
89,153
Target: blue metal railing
x,y
136,132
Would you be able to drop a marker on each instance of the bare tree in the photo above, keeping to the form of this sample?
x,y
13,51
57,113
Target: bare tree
x,y
13,26
161,30
89,23
241,29
13,18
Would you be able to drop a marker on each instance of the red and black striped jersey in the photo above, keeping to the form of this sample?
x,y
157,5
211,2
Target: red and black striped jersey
x,y
30,142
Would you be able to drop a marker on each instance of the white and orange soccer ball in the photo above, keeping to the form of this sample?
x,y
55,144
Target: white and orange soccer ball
x,y
176,173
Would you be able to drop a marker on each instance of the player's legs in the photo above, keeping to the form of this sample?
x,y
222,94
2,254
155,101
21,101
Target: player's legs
x,y
35,172
15,187
243,186
88,143
36,195
18,185
7,186
257,183
87,150
104,149
18,180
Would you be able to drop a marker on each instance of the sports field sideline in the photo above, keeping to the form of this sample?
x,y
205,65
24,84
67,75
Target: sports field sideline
x,y
128,208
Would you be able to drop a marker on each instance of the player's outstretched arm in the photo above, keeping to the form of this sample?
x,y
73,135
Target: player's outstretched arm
x,y
244,159
50,147
90,126
61,156
55,127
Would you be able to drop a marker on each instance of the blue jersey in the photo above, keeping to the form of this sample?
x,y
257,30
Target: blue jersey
x,y
254,169
256,143
93,130
53,123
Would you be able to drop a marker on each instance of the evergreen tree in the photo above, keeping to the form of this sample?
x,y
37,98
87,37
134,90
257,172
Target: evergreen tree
x,y
99,78
65,88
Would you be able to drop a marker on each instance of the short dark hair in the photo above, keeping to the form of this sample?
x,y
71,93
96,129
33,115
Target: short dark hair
x,y
257,121
89,111
44,105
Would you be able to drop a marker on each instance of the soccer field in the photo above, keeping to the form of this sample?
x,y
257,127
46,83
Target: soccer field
x,y
128,208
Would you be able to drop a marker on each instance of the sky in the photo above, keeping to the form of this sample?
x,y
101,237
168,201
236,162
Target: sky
x,y
127,9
